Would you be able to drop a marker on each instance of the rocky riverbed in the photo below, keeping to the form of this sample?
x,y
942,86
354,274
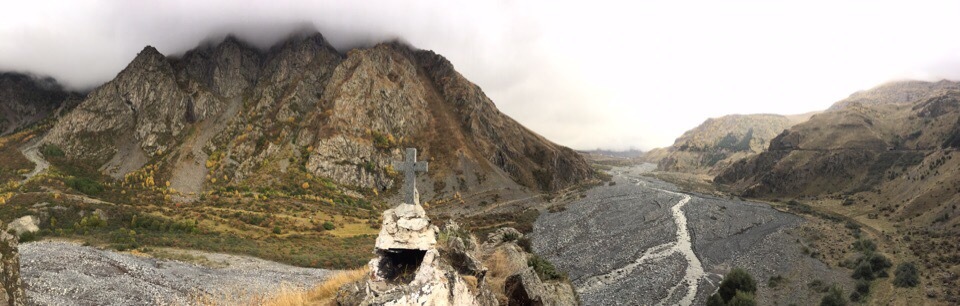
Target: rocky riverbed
x,y
66,273
630,244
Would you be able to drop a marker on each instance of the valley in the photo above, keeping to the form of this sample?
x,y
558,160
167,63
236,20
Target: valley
x,y
222,174
640,240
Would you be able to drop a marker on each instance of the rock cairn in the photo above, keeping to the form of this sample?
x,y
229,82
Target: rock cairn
x,y
408,270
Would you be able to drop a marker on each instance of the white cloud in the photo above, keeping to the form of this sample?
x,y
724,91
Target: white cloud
x,y
612,74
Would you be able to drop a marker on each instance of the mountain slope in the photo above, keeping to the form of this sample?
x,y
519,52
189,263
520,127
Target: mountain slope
x,y
229,115
25,100
717,142
888,165
898,92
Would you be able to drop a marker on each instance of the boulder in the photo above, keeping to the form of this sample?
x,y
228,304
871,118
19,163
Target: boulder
x,y
25,224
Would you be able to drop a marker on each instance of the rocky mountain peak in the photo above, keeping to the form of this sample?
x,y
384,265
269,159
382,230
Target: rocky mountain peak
x,y
148,56
301,101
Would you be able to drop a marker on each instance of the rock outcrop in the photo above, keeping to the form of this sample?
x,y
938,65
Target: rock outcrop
x,y
11,288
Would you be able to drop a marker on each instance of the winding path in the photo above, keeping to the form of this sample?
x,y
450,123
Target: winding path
x,y
32,152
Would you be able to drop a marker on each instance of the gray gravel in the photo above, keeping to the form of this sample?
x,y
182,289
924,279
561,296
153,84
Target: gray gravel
x,y
606,230
64,273
600,241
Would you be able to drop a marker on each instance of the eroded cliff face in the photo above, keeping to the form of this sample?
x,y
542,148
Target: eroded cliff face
x,y
229,113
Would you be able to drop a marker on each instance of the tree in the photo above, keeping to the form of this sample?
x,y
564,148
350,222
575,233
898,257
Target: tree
x,y
906,275
834,297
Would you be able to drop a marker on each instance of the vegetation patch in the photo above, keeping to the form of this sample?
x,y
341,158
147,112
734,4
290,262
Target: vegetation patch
x,y
736,288
545,269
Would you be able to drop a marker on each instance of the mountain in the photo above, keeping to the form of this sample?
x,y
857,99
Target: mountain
x,y
852,149
228,114
887,164
25,99
719,142
898,92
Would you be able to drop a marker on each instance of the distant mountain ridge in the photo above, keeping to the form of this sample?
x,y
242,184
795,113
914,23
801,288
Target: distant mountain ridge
x,y
896,92
717,142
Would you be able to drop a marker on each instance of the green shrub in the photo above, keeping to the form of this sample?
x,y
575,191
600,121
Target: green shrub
x,y
737,280
861,292
123,239
328,226
715,300
277,230
85,185
817,286
737,288
834,297
863,286
742,299
29,236
775,281
906,275
864,246
545,270
870,266
509,237
525,244
49,150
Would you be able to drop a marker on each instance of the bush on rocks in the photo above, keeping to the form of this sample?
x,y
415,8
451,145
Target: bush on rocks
x,y
545,270
737,288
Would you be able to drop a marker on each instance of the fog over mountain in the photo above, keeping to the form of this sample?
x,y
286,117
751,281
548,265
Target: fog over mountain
x,y
587,75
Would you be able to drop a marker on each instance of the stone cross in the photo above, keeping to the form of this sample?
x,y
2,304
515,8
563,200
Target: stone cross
x,y
410,166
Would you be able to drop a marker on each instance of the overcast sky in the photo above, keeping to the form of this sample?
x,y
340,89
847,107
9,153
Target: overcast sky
x,y
587,74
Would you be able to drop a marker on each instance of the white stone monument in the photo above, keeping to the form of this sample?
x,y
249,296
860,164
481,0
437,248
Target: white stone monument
x,y
406,227
408,270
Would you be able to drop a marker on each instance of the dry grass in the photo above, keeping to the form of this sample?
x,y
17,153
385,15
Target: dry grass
x,y
323,294
499,267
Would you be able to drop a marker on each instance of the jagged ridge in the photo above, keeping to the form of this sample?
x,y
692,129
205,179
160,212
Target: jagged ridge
x,y
245,115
